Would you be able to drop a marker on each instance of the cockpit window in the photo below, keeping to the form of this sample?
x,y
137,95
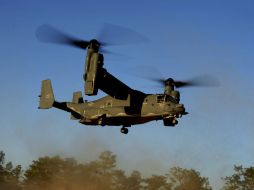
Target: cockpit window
x,y
160,98
165,98
170,99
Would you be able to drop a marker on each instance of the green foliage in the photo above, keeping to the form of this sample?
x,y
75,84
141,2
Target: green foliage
x,y
47,172
56,173
9,175
242,179
157,182
133,182
185,179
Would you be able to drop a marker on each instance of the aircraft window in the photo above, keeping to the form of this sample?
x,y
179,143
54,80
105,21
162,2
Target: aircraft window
x,y
109,104
160,98
170,99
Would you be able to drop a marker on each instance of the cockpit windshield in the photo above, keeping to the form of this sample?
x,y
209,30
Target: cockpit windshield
x,y
165,98
169,98
160,98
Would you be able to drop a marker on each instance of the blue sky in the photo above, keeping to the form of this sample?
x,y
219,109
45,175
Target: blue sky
x,y
187,38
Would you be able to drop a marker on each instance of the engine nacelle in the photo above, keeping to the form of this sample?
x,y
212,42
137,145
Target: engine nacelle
x,y
94,62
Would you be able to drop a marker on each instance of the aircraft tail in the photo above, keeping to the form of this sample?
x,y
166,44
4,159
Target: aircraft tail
x,y
77,99
47,98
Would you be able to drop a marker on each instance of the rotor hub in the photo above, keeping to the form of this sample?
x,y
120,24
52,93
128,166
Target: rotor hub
x,y
94,44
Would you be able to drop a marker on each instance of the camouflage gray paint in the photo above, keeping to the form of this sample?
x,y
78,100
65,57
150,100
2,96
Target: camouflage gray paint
x,y
123,106
138,108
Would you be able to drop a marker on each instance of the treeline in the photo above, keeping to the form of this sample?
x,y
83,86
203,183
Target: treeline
x,y
56,173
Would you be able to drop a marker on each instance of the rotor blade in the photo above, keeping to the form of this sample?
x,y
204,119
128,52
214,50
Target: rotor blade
x,y
155,79
200,81
152,73
114,54
147,72
118,35
49,34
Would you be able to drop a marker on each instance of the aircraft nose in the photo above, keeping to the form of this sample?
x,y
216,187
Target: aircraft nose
x,y
180,108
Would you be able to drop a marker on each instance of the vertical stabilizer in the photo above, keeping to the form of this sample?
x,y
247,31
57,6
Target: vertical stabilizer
x,y
77,99
47,97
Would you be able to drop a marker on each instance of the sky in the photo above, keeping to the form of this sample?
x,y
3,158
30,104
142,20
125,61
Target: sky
x,y
186,39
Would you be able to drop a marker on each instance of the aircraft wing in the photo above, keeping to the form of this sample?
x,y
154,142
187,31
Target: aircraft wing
x,y
118,90
112,86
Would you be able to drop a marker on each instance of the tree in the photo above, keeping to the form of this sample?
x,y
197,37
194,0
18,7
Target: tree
x,y
58,173
157,182
100,174
122,182
134,181
187,179
242,179
9,175
50,172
